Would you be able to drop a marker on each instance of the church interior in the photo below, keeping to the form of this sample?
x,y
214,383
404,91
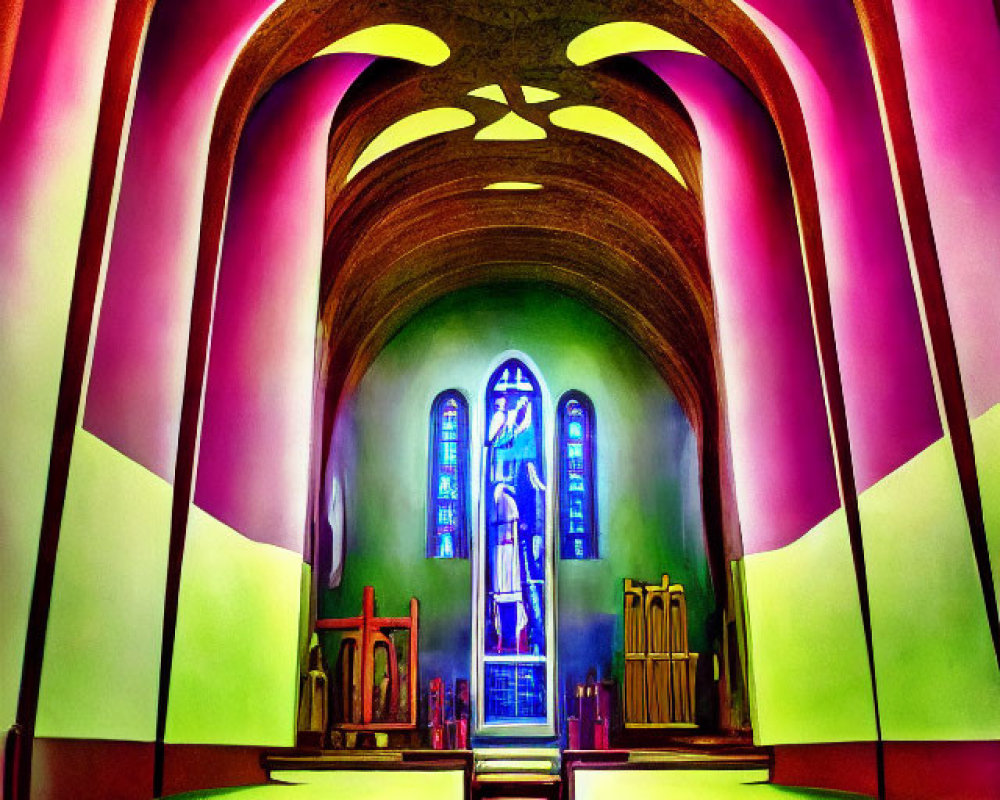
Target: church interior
x,y
481,399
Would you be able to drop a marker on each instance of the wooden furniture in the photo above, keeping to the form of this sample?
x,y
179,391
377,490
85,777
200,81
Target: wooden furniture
x,y
589,728
366,700
659,668
314,699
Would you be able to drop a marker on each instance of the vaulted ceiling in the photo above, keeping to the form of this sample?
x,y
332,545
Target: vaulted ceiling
x,y
607,224
603,222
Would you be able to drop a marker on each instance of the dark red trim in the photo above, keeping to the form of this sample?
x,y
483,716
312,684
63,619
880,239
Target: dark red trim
x,y
230,117
844,767
190,767
879,24
13,742
220,162
942,770
128,26
790,122
91,769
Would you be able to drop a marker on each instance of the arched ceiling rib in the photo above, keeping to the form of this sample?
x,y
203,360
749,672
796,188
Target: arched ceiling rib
x,y
659,222
622,235
492,43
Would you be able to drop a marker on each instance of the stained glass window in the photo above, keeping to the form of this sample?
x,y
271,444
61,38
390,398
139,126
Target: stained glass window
x,y
448,482
514,643
577,502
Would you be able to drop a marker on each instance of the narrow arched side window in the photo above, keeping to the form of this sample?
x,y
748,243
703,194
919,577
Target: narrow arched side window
x,y
577,495
448,477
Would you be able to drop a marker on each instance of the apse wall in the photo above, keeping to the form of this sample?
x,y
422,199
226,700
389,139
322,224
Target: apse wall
x,y
647,475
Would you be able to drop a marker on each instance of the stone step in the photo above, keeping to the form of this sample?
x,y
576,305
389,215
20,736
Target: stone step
x,y
516,760
499,785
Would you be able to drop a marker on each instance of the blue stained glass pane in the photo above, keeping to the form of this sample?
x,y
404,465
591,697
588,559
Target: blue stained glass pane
x,y
515,692
514,549
447,488
446,515
577,515
448,478
449,453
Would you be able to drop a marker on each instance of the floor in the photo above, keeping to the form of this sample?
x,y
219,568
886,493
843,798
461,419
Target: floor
x,y
682,784
590,785
369,784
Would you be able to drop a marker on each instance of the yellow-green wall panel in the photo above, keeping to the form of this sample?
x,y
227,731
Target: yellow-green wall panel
x,y
234,678
934,660
100,676
809,673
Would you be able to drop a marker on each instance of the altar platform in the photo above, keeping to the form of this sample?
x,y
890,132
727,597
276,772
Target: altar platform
x,y
695,766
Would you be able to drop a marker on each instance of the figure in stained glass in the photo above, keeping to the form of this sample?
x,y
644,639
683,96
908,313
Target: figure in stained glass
x,y
515,492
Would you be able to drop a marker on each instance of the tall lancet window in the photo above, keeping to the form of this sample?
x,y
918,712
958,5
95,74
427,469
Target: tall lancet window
x,y
448,482
515,612
577,500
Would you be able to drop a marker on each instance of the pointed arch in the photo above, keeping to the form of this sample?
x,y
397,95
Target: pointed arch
x,y
515,661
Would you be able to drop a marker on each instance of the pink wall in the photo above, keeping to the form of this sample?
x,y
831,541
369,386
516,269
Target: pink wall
x,y
888,391
951,54
782,457
254,456
134,397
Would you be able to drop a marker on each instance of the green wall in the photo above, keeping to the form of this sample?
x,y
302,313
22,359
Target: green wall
x,y
647,472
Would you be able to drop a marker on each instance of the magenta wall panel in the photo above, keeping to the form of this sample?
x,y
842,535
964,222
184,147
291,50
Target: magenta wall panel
x,y
888,390
782,456
254,456
137,380
951,54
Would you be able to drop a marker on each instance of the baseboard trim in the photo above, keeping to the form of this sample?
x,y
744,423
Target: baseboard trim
x,y
840,766
91,769
188,767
